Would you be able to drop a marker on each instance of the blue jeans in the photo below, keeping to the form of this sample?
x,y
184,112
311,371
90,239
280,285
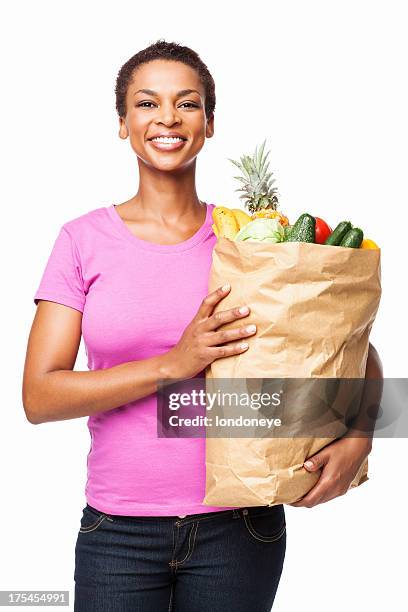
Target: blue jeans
x,y
212,562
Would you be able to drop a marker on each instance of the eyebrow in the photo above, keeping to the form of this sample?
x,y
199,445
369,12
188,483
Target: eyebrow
x,y
182,92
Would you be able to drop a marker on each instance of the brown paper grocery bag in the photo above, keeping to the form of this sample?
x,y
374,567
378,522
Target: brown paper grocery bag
x,y
314,306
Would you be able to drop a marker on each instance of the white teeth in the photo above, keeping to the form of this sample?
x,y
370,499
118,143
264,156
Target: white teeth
x,y
167,139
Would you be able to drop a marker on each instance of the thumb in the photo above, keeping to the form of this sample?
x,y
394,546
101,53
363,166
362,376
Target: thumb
x,y
316,462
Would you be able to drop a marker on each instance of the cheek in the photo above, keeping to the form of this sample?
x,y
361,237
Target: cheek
x,y
138,129
137,135
138,125
199,143
198,130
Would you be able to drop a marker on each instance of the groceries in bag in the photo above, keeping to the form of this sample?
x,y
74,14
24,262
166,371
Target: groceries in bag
x,y
293,286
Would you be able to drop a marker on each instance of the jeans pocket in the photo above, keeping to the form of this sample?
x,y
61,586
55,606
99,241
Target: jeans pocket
x,y
92,519
265,524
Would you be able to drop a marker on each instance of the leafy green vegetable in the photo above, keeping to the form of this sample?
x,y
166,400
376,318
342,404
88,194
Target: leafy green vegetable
x,y
262,230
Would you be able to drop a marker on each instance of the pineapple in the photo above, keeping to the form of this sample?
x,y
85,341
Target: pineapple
x,y
261,198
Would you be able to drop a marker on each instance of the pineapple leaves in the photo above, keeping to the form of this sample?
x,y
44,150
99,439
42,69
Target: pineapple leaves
x,y
260,154
256,180
236,163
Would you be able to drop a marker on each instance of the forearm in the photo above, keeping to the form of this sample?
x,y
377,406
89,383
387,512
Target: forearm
x,y
67,394
364,424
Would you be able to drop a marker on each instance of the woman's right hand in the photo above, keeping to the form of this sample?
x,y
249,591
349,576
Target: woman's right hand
x,y
201,342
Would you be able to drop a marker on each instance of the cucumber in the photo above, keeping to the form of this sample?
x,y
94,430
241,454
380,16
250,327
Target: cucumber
x,y
353,238
303,230
338,233
287,230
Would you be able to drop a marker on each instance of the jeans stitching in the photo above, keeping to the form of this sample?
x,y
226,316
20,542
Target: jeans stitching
x,y
176,562
260,537
188,521
98,513
190,544
94,525
171,598
236,513
173,562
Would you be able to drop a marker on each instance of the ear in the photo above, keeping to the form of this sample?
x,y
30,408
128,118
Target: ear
x,y
123,131
209,130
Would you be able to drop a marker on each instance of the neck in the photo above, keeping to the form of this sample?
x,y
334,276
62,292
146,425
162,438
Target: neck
x,y
171,195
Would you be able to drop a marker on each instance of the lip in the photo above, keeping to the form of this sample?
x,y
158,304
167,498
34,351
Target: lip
x,y
161,146
169,134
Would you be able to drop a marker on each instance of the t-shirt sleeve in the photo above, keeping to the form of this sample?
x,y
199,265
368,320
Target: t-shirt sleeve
x,y
62,280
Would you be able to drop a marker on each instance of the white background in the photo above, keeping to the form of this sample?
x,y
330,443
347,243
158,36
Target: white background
x,y
325,83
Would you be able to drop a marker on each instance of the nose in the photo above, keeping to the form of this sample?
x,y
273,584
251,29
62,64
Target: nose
x,y
167,115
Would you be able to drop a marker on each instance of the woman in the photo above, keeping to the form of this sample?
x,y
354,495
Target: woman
x,y
132,278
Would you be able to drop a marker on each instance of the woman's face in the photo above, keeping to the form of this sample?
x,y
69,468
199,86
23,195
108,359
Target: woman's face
x,y
163,110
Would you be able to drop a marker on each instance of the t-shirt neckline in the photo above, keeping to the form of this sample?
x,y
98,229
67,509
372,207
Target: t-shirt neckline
x,y
195,239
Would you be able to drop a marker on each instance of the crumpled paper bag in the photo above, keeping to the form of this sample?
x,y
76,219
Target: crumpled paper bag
x,y
314,307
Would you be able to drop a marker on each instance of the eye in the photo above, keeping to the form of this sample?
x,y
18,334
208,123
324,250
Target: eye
x,y
190,104
146,102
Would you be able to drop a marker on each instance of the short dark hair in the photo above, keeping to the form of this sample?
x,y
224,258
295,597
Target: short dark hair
x,y
167,51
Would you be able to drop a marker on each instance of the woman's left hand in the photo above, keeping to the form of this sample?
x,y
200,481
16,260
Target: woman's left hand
x,y
340,462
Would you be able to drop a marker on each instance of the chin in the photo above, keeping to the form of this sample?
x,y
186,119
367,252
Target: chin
x,y
170,166
170,163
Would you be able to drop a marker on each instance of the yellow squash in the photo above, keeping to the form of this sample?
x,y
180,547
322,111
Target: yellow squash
x,y
241,217
225,222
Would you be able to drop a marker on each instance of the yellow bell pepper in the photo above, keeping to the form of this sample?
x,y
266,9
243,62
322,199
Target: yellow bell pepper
x,y
368,244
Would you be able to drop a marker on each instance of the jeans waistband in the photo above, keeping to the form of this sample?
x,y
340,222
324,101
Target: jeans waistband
x,y
234,513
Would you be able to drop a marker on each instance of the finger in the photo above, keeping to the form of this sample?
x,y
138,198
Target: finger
x,y
298,502
308,501
317,461
324,490
211,300
226,316
226,350
313,494
229,335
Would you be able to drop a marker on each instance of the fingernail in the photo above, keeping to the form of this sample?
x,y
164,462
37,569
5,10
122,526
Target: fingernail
x,y
308,464
244,345
244,309
226,287
251,328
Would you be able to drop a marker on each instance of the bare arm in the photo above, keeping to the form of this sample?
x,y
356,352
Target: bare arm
x,y
364,424
341,460
53,392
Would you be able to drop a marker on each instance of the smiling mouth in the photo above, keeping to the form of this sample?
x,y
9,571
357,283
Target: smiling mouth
x,y
163,146
168,139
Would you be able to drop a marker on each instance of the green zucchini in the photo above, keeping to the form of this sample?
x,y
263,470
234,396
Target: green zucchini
x,y
353,238
338,233
287,229
303,230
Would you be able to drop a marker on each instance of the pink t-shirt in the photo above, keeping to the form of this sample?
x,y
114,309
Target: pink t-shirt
x,y
136,299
